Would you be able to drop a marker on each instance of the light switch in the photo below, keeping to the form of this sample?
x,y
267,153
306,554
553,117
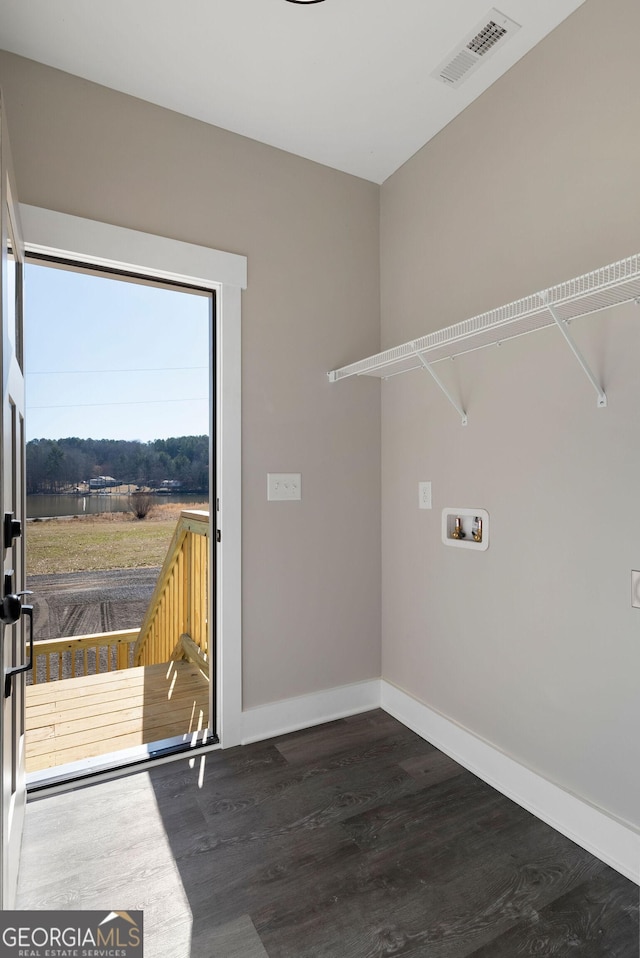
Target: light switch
x,y
284,486
424,495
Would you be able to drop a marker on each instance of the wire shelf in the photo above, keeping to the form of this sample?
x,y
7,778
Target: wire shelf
x,y
600,289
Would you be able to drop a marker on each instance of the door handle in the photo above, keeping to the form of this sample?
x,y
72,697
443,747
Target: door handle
x,y
11,606
27,611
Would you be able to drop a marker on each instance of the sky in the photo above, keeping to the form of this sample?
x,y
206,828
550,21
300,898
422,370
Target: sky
x,y
107,359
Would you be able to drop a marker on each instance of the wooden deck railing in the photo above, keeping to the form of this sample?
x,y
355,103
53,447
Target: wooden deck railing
x,y
176,625
81,655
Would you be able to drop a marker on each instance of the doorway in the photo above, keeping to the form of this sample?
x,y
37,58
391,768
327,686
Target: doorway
x,y
119,454
72,238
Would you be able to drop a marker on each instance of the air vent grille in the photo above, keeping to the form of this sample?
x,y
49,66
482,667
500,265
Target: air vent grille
x,y
484,40
491,32
454,71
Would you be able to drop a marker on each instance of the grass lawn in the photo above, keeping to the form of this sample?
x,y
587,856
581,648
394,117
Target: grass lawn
x,y
90,543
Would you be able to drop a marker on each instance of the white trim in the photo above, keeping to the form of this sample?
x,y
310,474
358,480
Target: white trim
x,y
229,519
612,841
130,761
593,829
87,241
304,711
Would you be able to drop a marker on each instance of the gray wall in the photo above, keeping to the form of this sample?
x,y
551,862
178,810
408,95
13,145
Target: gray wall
x,y
311,570
533,644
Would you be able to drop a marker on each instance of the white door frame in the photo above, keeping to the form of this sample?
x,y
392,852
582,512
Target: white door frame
x,y
100,244
12,728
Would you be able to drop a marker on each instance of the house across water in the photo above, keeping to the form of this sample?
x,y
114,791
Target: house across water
x,y
102,482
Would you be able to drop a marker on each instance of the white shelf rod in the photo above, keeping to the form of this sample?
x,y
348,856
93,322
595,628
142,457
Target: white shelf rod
x,y
562,326
431,371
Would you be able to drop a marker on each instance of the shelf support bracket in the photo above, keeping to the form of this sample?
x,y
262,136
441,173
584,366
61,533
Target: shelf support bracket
x,y
562,326
432,372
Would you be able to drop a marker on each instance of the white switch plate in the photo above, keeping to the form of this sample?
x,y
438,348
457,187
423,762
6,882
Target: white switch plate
x,y
635,589
284,486
424,495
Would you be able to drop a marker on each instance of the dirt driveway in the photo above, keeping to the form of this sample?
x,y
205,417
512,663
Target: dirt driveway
x,y
80,603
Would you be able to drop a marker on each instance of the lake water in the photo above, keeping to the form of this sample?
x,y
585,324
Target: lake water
x,y
45,507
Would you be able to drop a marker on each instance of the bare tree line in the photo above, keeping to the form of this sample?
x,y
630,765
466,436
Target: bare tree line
x,y
57,465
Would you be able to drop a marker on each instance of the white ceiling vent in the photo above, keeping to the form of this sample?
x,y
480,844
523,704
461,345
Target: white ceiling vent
x,y
492,32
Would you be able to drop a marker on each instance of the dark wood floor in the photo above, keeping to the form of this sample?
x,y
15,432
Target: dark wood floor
x,y
351,840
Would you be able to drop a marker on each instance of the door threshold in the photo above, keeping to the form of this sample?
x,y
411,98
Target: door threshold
x,y
118,764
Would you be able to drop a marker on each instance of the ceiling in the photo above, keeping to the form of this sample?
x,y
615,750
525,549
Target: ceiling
x,y
343,82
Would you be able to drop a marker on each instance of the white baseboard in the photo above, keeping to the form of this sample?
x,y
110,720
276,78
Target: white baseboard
x,y
608,839
289,715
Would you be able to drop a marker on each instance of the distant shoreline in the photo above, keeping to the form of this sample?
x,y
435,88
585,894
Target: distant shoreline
x,y
110,540
160,512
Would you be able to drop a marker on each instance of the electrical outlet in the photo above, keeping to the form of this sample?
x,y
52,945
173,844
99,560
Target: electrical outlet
x,y
635,589
283,486
424,495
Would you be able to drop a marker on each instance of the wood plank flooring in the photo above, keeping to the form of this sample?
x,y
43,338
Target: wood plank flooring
x,y
351,840
93,715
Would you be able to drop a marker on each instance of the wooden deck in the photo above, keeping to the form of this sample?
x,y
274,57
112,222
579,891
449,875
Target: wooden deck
x,y
92,715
